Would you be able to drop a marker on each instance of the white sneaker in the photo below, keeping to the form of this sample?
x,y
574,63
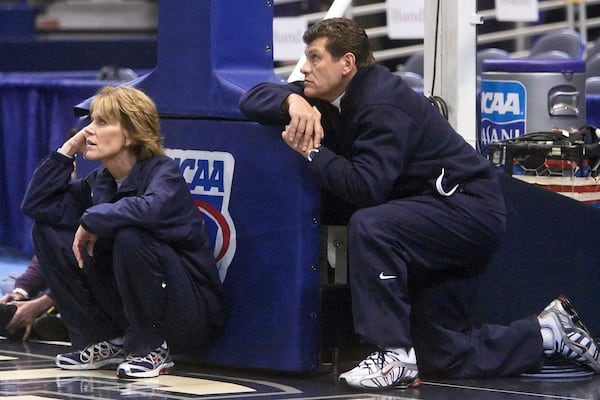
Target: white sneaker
x,y
381,370
572,340
94,356
149,365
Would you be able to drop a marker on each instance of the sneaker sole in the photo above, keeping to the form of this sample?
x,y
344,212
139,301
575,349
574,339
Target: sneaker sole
x,y
162,370
400,385
89,366
413,384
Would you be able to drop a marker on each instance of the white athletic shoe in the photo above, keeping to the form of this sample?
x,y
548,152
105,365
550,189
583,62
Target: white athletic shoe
x,y
572,339
94,356
382,369
150,365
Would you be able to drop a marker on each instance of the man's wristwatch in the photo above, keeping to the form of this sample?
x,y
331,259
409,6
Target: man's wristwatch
x,y
311,154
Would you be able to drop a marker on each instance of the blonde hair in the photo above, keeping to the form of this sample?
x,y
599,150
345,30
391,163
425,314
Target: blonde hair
x,y
136,113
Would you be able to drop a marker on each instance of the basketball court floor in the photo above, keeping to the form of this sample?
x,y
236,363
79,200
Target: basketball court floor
x,y
27,372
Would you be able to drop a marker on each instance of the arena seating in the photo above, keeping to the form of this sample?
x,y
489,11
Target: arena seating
x,y
566,40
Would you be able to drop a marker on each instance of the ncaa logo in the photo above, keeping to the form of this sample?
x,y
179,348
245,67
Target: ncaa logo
x,y
503,101
209,175
503,111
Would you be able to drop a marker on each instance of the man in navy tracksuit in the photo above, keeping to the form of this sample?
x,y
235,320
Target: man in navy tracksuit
x,y
424,214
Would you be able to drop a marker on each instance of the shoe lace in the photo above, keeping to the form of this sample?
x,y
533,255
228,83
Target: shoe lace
x,y
155,357
376,359
97,351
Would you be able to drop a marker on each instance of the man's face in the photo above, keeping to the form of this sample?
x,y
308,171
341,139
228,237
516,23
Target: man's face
x,y
323,77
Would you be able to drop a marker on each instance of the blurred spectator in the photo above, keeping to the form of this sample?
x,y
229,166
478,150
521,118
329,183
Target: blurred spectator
x,y
28,310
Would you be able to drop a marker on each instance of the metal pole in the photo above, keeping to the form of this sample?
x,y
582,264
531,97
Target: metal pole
x,y
583,21
450,53
570,15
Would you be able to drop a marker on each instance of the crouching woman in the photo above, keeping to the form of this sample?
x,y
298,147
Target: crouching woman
x,y
124,250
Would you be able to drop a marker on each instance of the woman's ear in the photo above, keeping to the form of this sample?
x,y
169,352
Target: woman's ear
x,y
126,140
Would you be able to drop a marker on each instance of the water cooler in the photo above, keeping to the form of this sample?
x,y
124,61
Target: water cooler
x,y
520,96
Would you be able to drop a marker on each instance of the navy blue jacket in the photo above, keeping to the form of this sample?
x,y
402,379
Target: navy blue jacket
x,y
154,197
388,142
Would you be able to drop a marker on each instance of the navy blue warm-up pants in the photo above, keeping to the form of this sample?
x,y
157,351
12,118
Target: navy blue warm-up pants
x,y
134,286
414,270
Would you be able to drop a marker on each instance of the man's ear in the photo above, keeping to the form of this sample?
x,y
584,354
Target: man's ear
x,y
349,63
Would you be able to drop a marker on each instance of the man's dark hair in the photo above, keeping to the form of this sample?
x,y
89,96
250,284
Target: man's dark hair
x,y
343,36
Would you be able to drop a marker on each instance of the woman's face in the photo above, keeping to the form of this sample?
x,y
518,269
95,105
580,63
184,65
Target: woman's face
x,y
104,140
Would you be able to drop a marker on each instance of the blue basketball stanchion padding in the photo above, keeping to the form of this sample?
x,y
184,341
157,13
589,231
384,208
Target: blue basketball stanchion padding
x,y
260,206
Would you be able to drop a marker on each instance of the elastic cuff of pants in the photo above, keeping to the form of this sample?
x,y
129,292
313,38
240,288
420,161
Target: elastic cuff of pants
x,y
118,341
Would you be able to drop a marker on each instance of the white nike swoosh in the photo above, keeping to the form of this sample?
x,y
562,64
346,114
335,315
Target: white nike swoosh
x,y
383,276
